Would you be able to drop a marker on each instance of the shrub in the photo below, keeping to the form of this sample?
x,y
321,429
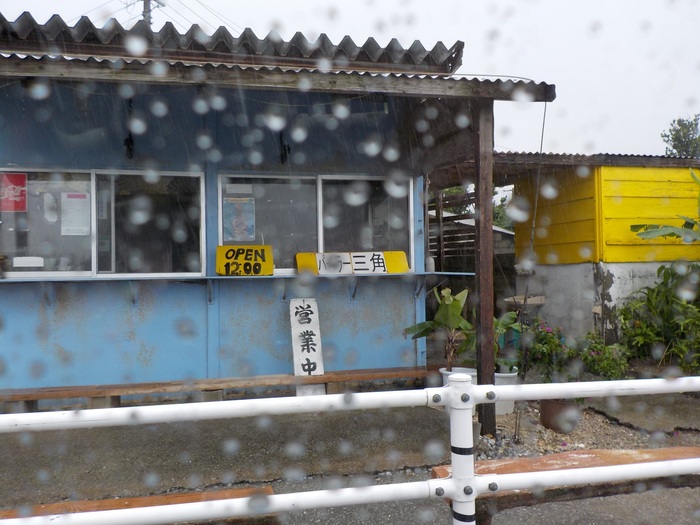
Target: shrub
x,y
662,322
607,361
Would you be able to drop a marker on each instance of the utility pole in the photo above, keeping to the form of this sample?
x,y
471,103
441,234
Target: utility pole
x,y
147,10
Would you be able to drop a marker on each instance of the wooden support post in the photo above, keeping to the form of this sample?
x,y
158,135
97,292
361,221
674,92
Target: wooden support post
x,y
483,127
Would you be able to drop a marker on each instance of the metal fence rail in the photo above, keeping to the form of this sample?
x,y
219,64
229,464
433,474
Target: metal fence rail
x,y
461,396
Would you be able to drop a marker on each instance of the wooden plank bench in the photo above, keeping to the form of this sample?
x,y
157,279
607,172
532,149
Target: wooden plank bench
x,y
106,396
70,507
489,504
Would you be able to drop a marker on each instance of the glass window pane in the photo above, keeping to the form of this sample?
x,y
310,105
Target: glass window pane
x,y
148,224
358,215
276,212
45,221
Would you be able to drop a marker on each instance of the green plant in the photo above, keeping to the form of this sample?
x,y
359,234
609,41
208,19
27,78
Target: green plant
x,y
449,323
548,353
662,322
607,361
459,334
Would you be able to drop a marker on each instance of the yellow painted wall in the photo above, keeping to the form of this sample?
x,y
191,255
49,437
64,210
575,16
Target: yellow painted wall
x,y
566,219
645,196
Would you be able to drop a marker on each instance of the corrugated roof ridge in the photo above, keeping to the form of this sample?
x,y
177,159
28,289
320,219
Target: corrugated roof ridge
x,y
54,37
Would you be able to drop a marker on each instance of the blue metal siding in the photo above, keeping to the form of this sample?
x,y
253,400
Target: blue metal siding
x,y
91,331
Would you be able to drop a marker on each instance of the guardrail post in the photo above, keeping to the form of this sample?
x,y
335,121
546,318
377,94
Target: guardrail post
x,y
461,403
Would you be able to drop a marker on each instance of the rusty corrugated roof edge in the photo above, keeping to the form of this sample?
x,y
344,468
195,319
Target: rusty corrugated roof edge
x,y
25,35
599,159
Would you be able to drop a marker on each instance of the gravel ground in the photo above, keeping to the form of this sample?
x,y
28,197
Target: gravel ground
x,y
594,431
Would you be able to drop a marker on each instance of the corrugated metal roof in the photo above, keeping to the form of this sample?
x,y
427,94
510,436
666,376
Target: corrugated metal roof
x,y
511,166
25,36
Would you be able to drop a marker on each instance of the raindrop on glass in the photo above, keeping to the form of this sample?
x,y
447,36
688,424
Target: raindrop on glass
x,y
140,210
204,140
299,133
341,109
275,118
356,193
39,89
136,45
200,105
549,191
159,107
138,125
518,209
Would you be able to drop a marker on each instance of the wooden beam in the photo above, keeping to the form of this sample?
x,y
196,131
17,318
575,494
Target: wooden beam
x,y
483,118
271,79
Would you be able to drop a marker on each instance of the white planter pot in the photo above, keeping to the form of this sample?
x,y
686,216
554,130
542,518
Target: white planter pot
x,y
510,378
457,370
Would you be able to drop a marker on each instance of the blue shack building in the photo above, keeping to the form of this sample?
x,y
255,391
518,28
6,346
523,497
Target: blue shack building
x,y
127,157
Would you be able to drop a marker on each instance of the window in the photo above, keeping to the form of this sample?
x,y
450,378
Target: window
x,y
278,212
132,224
45,221
353,215
148,223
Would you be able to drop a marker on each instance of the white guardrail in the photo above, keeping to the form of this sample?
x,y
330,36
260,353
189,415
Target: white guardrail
x,y
462,488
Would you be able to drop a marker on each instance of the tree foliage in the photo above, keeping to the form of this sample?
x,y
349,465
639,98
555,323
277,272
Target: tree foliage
x,y
683,137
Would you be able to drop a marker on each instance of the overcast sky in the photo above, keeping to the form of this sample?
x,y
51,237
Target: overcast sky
x,y
623,69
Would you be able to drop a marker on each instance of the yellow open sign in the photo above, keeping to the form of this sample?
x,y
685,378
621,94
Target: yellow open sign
x,y
244,260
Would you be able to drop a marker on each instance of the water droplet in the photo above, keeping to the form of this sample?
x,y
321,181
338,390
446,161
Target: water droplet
x,y
428,141
140,210
434,451
397,184
522,95
431,113
324,65
137,124
232,446
136,45
217,102
304,84
552,258
462,121
158,69
583,172
518,209
299,133
204,140
294,449
151,479
179,232
341,109
159,107
275,118
126,91
39,89
331,216
258,503
549,191
391,153
294,474
331,123
255,157
200,105
422,125
585,252
345,447
372,146
356,193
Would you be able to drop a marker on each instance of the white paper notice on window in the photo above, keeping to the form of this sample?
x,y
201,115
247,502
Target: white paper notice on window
x,y
75,213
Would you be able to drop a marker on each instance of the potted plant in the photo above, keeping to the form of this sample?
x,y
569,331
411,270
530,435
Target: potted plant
x,y
556,362
448,324
459,336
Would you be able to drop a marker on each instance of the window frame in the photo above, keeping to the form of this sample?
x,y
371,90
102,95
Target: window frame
x,y
93,274
225,177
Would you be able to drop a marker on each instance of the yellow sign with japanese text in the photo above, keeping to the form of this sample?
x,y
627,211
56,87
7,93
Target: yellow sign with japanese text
x,y
367,263
244,260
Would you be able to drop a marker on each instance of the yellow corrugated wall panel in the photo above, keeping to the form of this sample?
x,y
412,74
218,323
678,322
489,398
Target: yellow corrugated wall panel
x,y
565,231
645,196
